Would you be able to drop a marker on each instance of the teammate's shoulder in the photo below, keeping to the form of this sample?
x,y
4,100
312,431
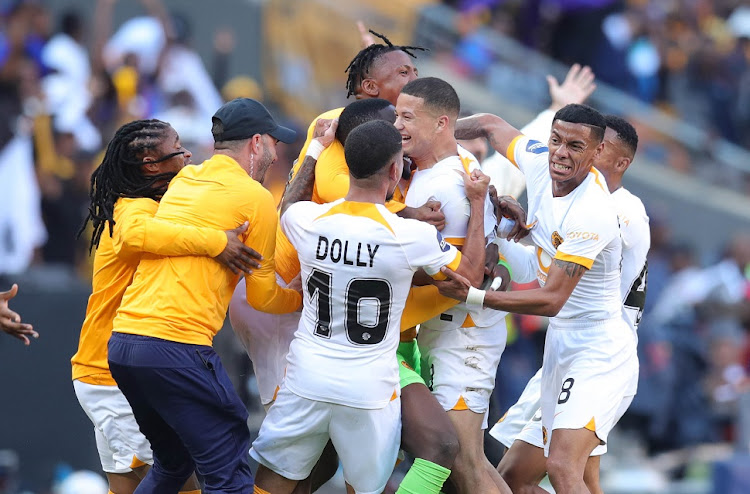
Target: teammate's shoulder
x,y
629,200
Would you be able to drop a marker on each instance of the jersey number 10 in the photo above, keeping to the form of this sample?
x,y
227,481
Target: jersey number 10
x,y
319,283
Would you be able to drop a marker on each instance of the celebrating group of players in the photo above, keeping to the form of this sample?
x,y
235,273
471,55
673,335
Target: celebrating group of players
x,y
387,225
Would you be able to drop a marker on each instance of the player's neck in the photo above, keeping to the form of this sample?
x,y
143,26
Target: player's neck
x,y
360,194
614,184
445,149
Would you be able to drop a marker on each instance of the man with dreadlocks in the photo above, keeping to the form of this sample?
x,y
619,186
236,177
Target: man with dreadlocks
x,y
160,352
137,166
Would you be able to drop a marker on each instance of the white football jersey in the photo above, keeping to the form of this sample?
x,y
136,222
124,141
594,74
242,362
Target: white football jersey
x,y
442,182
357,261
581,227
636,240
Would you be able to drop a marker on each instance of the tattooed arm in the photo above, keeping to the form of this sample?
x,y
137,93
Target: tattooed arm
x,y
300,187
545,301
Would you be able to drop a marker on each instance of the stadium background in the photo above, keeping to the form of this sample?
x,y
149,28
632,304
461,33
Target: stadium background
x,y
677,69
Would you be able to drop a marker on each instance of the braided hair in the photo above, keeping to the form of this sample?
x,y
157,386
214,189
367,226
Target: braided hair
x,y
360,65
120,175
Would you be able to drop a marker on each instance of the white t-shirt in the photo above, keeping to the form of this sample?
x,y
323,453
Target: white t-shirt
x,y
357,261
581,227
443,183
636,240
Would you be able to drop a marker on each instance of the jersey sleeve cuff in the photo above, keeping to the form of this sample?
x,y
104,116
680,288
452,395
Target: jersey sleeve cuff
x,y
583,261
453,265
510,153
217,242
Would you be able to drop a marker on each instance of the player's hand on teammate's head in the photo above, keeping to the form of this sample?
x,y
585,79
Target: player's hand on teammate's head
x,y
576,88
10,322
365,37
325,130
510,208
236,255
428,212
455,286
476,184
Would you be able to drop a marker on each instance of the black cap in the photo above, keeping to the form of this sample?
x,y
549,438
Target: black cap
x,y
242,118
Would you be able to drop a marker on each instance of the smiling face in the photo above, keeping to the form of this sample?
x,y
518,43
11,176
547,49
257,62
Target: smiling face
x,y
416,124
572,151
388,75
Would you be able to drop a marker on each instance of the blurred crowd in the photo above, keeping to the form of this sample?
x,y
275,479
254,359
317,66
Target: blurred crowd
x,y
691,57
67,82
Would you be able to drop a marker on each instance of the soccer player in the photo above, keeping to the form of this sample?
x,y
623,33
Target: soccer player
x,y
160,352
10,322
460,348
427,432
357,261
137,166
520,430
590,360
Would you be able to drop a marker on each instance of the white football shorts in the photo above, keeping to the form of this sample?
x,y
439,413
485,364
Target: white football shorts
x,y
460,365
295,431
587,375
266,338
121,445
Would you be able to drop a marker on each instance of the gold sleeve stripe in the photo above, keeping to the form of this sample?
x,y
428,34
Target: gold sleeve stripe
x,y
583,261
453,265
511,152
455,241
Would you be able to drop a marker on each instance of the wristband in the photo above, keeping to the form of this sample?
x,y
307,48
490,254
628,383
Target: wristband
x,y
475,298
503,262
504,227
314,149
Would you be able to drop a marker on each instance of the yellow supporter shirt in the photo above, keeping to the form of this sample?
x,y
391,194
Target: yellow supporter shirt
x,y
115,261
185,299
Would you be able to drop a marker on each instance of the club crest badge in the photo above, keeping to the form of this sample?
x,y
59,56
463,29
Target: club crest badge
x,y
556,239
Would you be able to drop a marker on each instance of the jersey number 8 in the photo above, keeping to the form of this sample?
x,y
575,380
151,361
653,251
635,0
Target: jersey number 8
x,y
319,283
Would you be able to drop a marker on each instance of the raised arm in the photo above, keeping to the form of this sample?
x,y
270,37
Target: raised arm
x,y
473,251
499,132
300,188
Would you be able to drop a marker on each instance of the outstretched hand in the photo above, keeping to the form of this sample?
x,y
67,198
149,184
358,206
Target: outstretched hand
x,y
366,39
576,88
236,255
10,322
455,286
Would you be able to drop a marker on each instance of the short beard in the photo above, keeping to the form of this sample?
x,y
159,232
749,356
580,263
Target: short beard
x,y
265,163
